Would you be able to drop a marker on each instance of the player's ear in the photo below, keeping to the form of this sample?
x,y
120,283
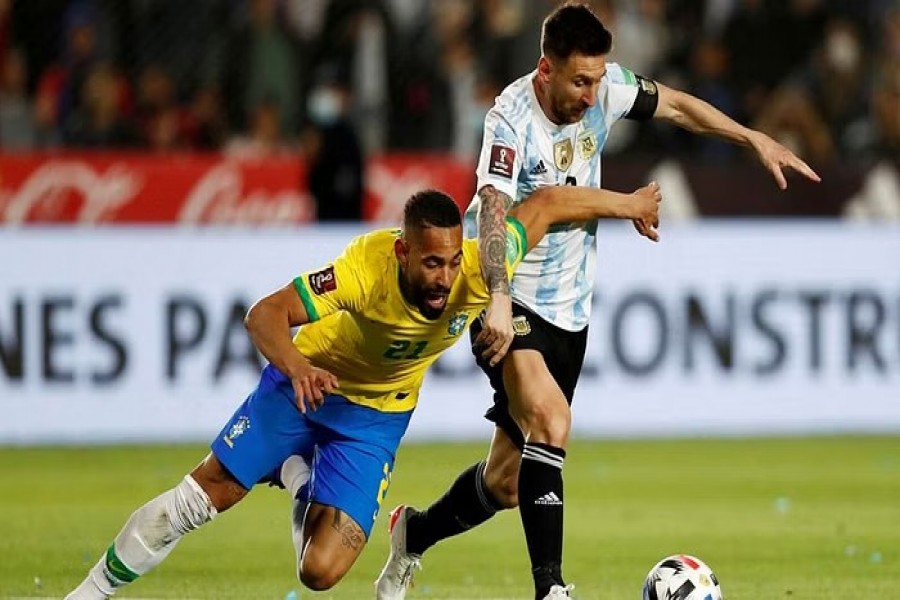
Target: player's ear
x,y
401,249
544,68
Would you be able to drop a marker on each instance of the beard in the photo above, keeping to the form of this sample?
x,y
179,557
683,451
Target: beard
x,y
421,298
424,298
568,114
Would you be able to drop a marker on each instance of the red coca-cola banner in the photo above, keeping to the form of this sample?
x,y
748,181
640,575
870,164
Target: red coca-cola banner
x,y
90,188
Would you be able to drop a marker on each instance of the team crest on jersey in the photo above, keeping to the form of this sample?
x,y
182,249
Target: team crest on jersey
x,y
587,144
562,154
457,323
237,430
521,326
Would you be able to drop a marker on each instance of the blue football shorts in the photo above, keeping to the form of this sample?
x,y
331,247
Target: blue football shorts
x,y
350,448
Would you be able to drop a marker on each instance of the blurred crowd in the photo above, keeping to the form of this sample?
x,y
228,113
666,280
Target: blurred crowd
x,y
341,78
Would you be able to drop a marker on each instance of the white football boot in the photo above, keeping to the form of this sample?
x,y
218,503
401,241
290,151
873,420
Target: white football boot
x,y
397,575
558,592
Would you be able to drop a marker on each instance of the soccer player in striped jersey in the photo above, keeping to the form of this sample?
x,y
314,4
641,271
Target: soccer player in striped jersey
x,y
547,128
334,401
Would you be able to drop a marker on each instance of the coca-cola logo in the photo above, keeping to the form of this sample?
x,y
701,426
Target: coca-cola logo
x,y
219,197
144,189
323,281
70,191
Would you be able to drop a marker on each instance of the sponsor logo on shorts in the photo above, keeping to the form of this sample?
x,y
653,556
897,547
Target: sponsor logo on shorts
x,y
237,430
521,326
323,281
502,160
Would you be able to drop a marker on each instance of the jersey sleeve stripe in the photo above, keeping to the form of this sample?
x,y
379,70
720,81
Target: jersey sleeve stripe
x,y
307,300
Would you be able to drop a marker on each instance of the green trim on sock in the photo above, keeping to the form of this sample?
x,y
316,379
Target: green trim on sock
x,y
117,568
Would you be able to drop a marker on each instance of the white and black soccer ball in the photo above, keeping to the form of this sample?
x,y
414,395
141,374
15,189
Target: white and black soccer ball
x,y
681,577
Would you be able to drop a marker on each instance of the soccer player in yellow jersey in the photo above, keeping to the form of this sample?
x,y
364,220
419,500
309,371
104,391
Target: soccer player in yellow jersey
x,y
340,394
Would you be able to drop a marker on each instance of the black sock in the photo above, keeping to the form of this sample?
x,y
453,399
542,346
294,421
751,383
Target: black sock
x,y
467,504
541,509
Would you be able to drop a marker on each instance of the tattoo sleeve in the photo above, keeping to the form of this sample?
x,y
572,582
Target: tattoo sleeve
x,y
492,237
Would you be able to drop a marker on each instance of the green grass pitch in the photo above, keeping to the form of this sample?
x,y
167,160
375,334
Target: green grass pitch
x,y
810,519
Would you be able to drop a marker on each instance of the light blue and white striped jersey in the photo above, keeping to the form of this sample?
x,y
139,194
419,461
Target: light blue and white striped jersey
x,y
523,150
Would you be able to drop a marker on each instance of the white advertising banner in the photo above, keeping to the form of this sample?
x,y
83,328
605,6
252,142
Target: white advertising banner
x,y
111,335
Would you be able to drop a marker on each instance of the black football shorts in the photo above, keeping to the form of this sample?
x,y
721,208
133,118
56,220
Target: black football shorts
x,y
563,351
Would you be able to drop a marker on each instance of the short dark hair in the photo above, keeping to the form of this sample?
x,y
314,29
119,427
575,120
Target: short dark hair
x,y
574,28
430,208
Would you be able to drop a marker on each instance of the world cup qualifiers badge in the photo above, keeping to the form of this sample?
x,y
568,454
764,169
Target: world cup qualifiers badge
x,y
323,281
237,430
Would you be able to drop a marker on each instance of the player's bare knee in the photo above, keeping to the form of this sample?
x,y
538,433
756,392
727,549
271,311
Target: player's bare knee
x,y
220,486
318,575
547,423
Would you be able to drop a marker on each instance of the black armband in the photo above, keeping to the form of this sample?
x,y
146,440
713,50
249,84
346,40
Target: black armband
x,y
644,106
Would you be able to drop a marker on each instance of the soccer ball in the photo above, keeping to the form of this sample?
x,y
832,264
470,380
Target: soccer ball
x,y
681,577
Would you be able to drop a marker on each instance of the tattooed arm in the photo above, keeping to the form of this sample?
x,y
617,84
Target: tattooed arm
x,y
497,331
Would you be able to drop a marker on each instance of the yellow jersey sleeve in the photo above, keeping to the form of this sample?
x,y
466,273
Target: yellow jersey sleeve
x,y
342,285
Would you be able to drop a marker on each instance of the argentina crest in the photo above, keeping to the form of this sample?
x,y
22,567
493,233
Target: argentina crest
x,y
587,144
562,154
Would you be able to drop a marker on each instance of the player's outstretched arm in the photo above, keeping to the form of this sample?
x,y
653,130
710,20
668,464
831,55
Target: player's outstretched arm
x,y
269,323
693,114
497,331
565,203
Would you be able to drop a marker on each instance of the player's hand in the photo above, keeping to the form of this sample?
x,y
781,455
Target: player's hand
x,y
646,207
776,157
497,329
309,383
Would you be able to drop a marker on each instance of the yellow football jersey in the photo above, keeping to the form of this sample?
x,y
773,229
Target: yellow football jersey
x,y
363,330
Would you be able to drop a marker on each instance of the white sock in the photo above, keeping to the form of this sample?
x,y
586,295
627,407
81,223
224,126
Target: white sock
x,y
294,474
146,540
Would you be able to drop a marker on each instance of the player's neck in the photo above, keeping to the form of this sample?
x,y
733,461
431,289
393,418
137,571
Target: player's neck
x,y
540,92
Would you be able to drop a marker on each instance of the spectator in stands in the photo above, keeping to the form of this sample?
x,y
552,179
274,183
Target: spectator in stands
x,y
60,87
99,121
185,38
421,113
261,69
754,42
17,131
5,19
791,118
266,135
884,139
159,117
708,80
334,154
837,81
204,125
